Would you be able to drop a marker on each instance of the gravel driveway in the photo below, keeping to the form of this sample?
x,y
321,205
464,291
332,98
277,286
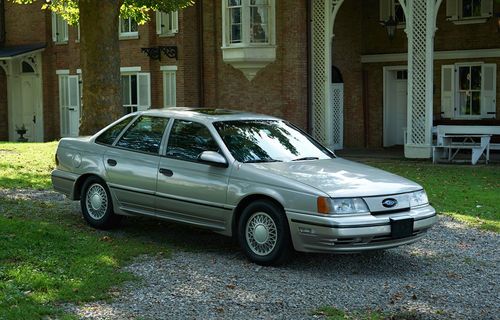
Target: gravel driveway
x,y
452,273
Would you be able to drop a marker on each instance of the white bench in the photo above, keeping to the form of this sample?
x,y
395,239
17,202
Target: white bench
x,y
452,139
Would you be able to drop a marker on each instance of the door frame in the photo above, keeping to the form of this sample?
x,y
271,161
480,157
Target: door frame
x,y
14,92
386,94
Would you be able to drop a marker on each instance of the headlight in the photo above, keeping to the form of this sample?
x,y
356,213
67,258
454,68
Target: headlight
x,y
418,198
341,205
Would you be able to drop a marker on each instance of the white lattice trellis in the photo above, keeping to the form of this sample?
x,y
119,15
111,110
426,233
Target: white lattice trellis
x,y
320,68
337,105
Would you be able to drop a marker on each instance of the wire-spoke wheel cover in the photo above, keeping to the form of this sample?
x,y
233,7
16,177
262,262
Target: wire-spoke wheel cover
x,y
96,201
261,233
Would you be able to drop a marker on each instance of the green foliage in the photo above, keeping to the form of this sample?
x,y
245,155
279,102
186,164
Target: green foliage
x,y
48,258
332,313
139,10
26,165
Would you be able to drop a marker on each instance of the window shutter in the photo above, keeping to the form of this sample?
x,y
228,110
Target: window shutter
x,y
169,89
451,10
159,22
64,29
63,102
54,27
74,104
175,21
385,10
447,91
488,90
486,8
144,91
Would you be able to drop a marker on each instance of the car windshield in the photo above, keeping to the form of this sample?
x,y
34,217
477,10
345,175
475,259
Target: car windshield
x,y
253,141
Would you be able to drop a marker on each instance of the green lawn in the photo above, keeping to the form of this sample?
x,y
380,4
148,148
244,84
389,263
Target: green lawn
x,y
26,165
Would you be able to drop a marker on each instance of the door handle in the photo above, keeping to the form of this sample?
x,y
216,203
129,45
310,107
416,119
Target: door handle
x,y
112,162
34,119
166,172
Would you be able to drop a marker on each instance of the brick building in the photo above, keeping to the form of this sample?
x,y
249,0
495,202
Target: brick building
x,y
327,65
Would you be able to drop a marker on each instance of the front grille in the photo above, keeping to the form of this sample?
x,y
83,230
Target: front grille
x,y
377,213
368,240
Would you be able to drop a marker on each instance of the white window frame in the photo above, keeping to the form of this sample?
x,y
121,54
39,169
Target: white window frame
x,y
245,55
167,24
59,29
169,86
143,81
454,12
128,34
450,98
387,9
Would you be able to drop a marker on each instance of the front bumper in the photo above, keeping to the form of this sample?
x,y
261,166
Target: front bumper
x,y
313,233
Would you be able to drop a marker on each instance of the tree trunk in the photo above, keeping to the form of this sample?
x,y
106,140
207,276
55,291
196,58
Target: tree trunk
x,y
100,61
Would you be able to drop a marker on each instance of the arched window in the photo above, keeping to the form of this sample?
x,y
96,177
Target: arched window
x,y
27,68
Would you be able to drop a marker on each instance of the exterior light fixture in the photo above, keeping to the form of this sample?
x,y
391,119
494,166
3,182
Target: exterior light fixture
x,y
498,21
390,26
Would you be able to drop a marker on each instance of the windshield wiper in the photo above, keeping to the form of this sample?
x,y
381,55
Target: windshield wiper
x,y
262,160
306,158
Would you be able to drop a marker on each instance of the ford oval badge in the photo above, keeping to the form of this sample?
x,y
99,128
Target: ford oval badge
x,y
389,202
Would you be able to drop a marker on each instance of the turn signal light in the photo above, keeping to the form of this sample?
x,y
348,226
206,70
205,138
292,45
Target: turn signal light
x,y
323,205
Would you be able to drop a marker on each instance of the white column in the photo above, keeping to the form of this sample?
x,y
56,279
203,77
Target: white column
x,y
421,25
321,74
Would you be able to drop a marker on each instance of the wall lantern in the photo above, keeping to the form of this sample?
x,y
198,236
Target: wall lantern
x,y
390,26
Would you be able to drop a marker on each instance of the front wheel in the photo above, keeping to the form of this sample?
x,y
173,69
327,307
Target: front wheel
x,y
97,208
264,234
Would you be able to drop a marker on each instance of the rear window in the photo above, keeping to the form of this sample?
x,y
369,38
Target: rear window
x,y
109,136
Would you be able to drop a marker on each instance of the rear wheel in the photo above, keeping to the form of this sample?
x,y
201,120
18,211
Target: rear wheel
x,y
97,207
264,234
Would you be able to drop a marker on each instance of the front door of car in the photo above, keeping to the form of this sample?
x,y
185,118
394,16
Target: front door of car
x,y
132,164
189,190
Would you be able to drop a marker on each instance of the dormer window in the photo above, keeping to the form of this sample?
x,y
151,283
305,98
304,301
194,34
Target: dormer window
x,y
248,40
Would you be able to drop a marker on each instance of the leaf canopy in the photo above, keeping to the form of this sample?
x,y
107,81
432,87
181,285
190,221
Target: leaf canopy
x,y
137,9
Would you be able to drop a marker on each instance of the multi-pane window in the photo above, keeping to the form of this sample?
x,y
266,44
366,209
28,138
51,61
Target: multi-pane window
x,y
136,93
469,90
167,23
128,27
259,25
471,8
235,29
248,21
59,29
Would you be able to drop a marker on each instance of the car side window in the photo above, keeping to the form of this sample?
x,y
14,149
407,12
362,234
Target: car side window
x,y
109,136
188,139
144,134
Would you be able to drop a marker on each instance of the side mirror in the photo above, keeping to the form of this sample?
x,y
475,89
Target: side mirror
x,y
213,158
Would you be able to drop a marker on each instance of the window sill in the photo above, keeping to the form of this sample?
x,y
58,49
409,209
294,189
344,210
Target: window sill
x,y
130,36
61,43
464,21
249,59
167,35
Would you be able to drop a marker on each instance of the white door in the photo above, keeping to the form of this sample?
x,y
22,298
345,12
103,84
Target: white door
x,y
395,109
28,110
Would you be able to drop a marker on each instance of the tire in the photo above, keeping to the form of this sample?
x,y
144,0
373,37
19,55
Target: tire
x,y
264,234
97,206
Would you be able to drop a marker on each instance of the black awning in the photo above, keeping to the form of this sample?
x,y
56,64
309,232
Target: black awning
x,y
13,51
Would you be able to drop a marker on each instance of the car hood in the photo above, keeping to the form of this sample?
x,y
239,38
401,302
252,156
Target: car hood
x,y
341,178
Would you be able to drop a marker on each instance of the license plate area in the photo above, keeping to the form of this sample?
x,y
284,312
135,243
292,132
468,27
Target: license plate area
x,y
401,227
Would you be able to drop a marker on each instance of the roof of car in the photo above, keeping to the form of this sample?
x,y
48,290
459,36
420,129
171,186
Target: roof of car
x,y
210,114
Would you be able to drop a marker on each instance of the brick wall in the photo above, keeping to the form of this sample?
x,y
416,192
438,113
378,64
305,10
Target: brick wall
x,y
280,88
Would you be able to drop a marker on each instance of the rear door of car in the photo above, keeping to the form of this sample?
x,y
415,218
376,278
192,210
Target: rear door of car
x,y
189,190
132,164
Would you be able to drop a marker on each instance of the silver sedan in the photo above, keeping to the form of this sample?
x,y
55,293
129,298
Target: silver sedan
x,y
255,177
